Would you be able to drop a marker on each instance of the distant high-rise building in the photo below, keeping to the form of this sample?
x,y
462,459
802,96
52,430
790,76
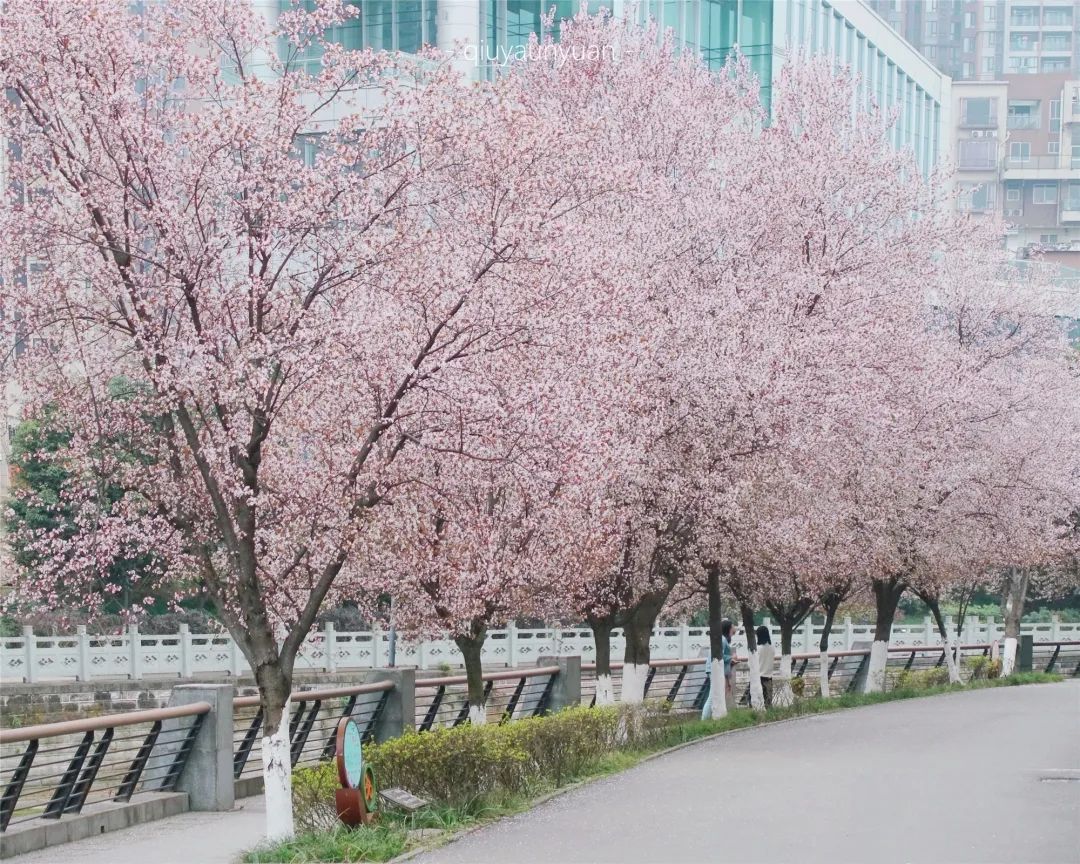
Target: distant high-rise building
x,y
987,39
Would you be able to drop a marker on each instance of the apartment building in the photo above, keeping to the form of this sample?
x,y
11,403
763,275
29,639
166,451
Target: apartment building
x,y
1018,156
988,39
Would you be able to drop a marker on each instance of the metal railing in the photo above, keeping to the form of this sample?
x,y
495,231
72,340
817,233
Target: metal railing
x,y
509,695
65,766
685,684
312,728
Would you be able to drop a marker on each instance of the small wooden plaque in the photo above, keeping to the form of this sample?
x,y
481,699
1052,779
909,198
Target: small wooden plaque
x,y
403,799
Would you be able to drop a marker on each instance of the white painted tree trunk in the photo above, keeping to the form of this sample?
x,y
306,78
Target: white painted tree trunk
x,y
782,695
952,660
823,674
277,780
875,674
716,706
478,715
1008,656
757,694
605,690
633,682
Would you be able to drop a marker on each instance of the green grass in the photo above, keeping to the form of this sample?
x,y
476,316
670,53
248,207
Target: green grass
x,y
390,836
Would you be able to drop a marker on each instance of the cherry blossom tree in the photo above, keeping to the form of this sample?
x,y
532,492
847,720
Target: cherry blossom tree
x,y
297,274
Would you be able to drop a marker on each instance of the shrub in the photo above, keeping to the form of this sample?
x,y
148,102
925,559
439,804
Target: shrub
x,y
313,797
922,679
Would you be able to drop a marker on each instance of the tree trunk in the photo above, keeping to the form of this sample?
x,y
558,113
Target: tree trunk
x,y
1012,609
471,648
716,705
949,644
637,628
831,603
782,694
757,694
601,630
274,687
886,597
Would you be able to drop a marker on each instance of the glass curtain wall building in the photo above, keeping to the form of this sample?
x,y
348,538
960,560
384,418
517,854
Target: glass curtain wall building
x,y
768,32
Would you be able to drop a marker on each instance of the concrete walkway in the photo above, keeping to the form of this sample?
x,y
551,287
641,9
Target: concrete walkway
x,y
190,838
981,776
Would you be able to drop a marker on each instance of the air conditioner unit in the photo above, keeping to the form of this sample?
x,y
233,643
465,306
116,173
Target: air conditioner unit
x,y
977,134
1016,213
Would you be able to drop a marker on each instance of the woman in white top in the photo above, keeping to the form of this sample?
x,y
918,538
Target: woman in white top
x,y
766,658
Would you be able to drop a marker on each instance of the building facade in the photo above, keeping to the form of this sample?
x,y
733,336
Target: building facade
x,y
1017,150
988,39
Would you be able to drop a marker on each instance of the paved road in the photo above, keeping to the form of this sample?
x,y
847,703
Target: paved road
x,y
190,838
925,780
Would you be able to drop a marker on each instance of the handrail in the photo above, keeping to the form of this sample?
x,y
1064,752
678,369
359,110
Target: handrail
x,y
508,675
108,721
329,693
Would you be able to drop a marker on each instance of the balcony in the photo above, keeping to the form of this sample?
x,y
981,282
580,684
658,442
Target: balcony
x,y
1023,121
1038,168
1070,211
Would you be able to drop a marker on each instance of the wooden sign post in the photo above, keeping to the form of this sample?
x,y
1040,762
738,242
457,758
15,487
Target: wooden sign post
x,y
357,799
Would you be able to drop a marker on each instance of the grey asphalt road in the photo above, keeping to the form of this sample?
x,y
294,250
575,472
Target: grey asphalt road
x,y
982,776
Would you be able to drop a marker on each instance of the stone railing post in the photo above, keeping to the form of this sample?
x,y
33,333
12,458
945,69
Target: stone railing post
x,y
1055,627
135,644
208,774
566,689
928,631
236,659
511,644
809,641
30,650
849,633
399,713
329,647
185,651
84,653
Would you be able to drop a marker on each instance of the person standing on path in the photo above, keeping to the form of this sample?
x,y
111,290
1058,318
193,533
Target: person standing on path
x,y
766,660
729,665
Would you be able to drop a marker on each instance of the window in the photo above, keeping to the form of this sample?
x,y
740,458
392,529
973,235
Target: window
x,y
1062,16
988,64
978,113
1013,194
1020,151
1053,147
931,28
1055,115
1055,64
977,154
968,70
978,198
989,14
969,45
1057,41
1044,193
1024,16
969,20
1024,114
1048,239
1072,196
931,52
1022,42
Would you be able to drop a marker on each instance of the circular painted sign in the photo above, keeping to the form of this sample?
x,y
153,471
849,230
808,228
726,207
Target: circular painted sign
x,y
350,757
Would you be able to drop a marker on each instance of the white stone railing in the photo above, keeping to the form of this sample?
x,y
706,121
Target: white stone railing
x,y
84,657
